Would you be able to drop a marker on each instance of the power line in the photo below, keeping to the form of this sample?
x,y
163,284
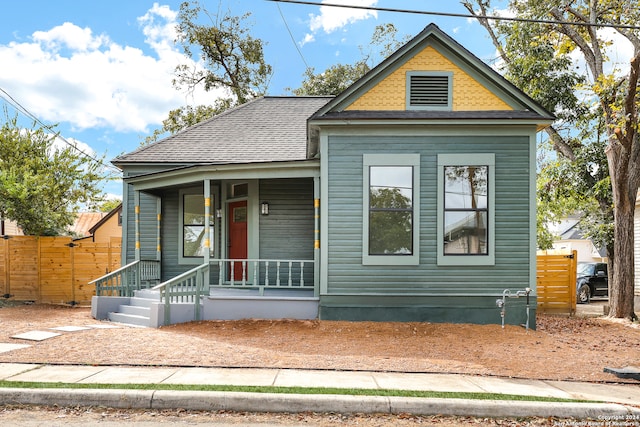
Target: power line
x,y
292,38
20,108
460,15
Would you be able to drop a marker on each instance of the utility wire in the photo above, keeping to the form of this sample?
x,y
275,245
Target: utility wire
x,y
292,38
20,108
460,15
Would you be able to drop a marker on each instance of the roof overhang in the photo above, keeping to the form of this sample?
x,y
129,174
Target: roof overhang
x,y
446,125
199,173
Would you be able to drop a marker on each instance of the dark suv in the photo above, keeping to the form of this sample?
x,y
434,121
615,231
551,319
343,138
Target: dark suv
x,y
592,281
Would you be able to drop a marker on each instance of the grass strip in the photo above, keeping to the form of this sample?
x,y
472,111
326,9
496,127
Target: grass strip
x,y
291,390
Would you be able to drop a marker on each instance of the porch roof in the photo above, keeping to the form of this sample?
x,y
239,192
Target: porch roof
x,y
267,129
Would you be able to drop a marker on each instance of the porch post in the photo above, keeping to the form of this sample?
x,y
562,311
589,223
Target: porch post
x,y
207,220
159,224
316,236
207,228
136,207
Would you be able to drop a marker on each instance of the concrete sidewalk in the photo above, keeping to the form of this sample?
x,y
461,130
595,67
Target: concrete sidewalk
x,y
621,402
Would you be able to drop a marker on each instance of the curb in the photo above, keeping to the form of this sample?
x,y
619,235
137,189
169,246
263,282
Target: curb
x,y
293,403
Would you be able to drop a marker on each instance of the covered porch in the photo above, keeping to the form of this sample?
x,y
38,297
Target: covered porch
x,y
218,242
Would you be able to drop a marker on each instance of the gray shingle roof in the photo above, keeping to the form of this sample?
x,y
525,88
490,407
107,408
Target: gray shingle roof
x,y
266,129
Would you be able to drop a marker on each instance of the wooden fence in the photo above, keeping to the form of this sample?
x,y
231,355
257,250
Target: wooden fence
x,y
54,270
556,282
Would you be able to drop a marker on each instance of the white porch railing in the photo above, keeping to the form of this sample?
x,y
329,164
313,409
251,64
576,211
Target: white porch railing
x,y
264,273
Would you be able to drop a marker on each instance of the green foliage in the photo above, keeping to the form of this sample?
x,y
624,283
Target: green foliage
x,y
332,81
227,58
233,60
41,185
109,205
538,67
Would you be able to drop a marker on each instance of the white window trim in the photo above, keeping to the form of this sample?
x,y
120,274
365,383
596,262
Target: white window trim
x,y
474,159
197,191
449,105
391,160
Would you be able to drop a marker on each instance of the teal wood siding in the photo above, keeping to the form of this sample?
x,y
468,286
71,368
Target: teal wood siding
x,y
170,236
351,284
148,227
287,232
148,215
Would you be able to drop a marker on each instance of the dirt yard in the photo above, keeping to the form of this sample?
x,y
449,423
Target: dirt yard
x,y
560,349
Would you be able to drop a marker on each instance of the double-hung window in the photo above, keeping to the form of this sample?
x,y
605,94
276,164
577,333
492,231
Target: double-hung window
x,y
194,236
466,209
391,209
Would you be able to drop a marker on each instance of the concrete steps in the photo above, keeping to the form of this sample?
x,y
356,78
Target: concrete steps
x,y
137,312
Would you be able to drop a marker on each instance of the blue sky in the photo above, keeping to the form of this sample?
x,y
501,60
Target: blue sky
x,y
102,70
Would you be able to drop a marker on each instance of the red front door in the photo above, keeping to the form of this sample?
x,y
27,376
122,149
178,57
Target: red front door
x,y
237,236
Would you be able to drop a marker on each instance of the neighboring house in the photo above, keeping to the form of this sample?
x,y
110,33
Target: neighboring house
x,y
10,228
408,197
84,221
570,238
107,227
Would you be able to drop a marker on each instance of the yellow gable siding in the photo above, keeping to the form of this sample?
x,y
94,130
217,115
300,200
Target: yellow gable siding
x,y
390,93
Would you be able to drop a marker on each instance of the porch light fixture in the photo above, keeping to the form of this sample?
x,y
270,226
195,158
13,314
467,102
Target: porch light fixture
x,y
264,208
219,213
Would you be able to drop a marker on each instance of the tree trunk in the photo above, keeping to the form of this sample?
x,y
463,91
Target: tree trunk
x,y
621,285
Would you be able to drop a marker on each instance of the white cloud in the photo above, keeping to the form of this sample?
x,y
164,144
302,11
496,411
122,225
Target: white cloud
x,y
331,19
70,36
81,147
69,74
308,38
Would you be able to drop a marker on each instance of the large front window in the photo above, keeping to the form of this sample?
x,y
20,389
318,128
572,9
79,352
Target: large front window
x,y
194,234
390,210
391,193
466,210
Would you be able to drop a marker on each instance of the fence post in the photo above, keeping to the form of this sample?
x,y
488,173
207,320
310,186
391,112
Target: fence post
x,y
5,258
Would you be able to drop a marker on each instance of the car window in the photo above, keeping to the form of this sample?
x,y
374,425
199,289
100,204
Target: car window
x,y
585,269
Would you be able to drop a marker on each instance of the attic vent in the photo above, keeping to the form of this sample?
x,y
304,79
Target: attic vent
x,y
429,91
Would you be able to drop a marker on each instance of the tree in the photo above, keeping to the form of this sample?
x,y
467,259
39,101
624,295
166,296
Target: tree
x,y
225,56
332,81
108,205
232,58
612,92
41,185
